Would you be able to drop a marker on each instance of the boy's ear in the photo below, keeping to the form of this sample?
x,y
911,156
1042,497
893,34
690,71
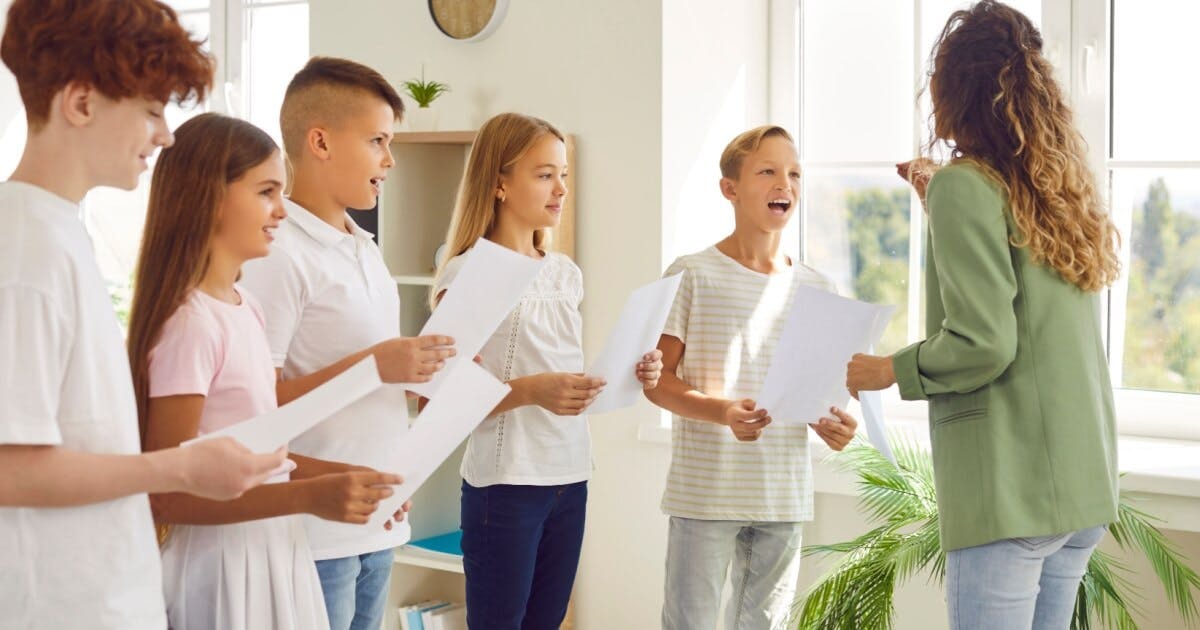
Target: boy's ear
x,y
729,188
317,142
78,104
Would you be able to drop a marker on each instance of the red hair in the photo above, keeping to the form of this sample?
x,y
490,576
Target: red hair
x,y
122,48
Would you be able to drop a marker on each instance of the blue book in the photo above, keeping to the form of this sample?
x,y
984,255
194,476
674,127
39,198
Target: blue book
x,y
413,615
450,543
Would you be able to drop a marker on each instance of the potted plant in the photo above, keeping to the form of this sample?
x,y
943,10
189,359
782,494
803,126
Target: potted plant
x,y
423,93
857,593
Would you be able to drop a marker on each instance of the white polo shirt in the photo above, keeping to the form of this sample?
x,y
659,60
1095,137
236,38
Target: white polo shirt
x,y
325,295
64,381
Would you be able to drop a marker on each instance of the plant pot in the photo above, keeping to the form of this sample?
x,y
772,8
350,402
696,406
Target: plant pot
x,y
422,119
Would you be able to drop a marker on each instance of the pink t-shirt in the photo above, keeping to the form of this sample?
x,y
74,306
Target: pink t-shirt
x,y
218,350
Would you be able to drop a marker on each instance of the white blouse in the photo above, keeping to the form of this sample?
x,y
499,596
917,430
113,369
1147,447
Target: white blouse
x,y
544,333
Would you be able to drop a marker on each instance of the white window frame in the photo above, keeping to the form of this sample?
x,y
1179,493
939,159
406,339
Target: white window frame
x,y
1076,36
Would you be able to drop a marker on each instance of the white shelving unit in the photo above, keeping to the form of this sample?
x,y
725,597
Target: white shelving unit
x,y
414,215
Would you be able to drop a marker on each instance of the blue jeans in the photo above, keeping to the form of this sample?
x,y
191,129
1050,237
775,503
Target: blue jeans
x,y
520,551
356,589
1018,582
766,567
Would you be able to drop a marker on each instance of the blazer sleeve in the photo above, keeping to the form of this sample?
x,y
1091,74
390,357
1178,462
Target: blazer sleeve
x,y
970,250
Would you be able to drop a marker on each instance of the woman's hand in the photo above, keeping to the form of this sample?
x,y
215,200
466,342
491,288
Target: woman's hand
x,y
867,372
650,369
917,173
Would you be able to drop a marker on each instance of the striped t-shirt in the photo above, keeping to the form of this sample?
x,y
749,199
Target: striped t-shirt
x,y
730,318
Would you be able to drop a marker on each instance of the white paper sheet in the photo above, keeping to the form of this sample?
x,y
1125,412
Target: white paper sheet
x,y
636,333
467,395
808,370
487,288
272,430
872,410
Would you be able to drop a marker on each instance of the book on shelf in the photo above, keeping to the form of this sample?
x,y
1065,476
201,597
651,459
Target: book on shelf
x,y
448,545
414,616
452,617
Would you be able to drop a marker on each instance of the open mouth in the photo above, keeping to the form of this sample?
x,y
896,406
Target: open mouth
x,y
377,184
269,230
779,206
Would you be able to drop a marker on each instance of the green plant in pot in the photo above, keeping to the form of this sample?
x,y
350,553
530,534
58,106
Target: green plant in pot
x,y
857,593
423,93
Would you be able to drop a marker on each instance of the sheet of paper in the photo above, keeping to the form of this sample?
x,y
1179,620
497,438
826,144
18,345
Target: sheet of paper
x,y
636,333
271,430
468,394
872,410
487,288
808,370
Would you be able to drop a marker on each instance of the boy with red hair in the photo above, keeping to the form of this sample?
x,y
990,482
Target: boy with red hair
x,y
77,545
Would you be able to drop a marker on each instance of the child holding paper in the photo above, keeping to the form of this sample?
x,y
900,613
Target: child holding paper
x,y
77,543
730,494
329,301
201,362
526,467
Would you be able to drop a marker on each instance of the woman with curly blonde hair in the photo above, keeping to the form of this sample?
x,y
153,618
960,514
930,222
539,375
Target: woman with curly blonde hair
x,y
1013,366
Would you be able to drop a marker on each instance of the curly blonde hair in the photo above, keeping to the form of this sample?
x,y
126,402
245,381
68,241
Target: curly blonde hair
x,y
996,103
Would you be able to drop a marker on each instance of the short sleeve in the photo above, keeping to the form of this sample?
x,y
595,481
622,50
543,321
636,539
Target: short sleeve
x,y
677,319
279,287
448,273
37,340
187,356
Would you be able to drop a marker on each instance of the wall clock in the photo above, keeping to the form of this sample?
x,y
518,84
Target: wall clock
x,y
468,20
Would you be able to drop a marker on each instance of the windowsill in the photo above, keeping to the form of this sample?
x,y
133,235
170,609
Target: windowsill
x,y
1164,473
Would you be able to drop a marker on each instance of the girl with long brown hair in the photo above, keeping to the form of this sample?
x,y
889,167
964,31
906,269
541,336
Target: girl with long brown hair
x,y
1014,368
526,467
200,362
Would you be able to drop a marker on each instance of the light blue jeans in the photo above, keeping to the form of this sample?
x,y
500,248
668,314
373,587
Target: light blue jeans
x,y
766,567
356,589
1018,582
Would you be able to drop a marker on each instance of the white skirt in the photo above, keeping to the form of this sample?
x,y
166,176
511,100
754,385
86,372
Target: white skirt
x,y
243,576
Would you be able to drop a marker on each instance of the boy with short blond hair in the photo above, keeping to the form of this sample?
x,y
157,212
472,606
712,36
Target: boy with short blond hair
x,y
329,301
736,490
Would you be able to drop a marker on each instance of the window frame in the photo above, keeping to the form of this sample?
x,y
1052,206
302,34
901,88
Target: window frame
x,y
1077,37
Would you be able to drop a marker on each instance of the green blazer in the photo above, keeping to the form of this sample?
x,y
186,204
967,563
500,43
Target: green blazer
x,y
1020,402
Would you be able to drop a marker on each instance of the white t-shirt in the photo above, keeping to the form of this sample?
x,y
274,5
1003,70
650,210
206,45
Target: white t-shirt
x,y
64,380
729,318
326,295
544,333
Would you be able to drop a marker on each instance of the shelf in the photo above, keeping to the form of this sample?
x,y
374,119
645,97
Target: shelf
x,y
433,137
418,280
431,560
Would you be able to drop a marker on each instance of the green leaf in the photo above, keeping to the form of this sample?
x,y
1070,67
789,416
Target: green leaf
x,y
857,592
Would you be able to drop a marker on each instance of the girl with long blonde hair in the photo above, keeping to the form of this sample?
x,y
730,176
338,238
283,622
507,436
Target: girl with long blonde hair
x,y
526,466
1014,368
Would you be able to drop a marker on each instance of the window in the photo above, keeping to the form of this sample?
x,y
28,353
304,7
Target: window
x,y
862,224
858,117
259,45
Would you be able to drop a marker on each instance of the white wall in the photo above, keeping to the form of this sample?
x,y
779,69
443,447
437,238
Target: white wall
x,y
714,87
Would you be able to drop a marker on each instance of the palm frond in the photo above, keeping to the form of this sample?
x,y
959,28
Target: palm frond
x,y
858,590
1135,529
